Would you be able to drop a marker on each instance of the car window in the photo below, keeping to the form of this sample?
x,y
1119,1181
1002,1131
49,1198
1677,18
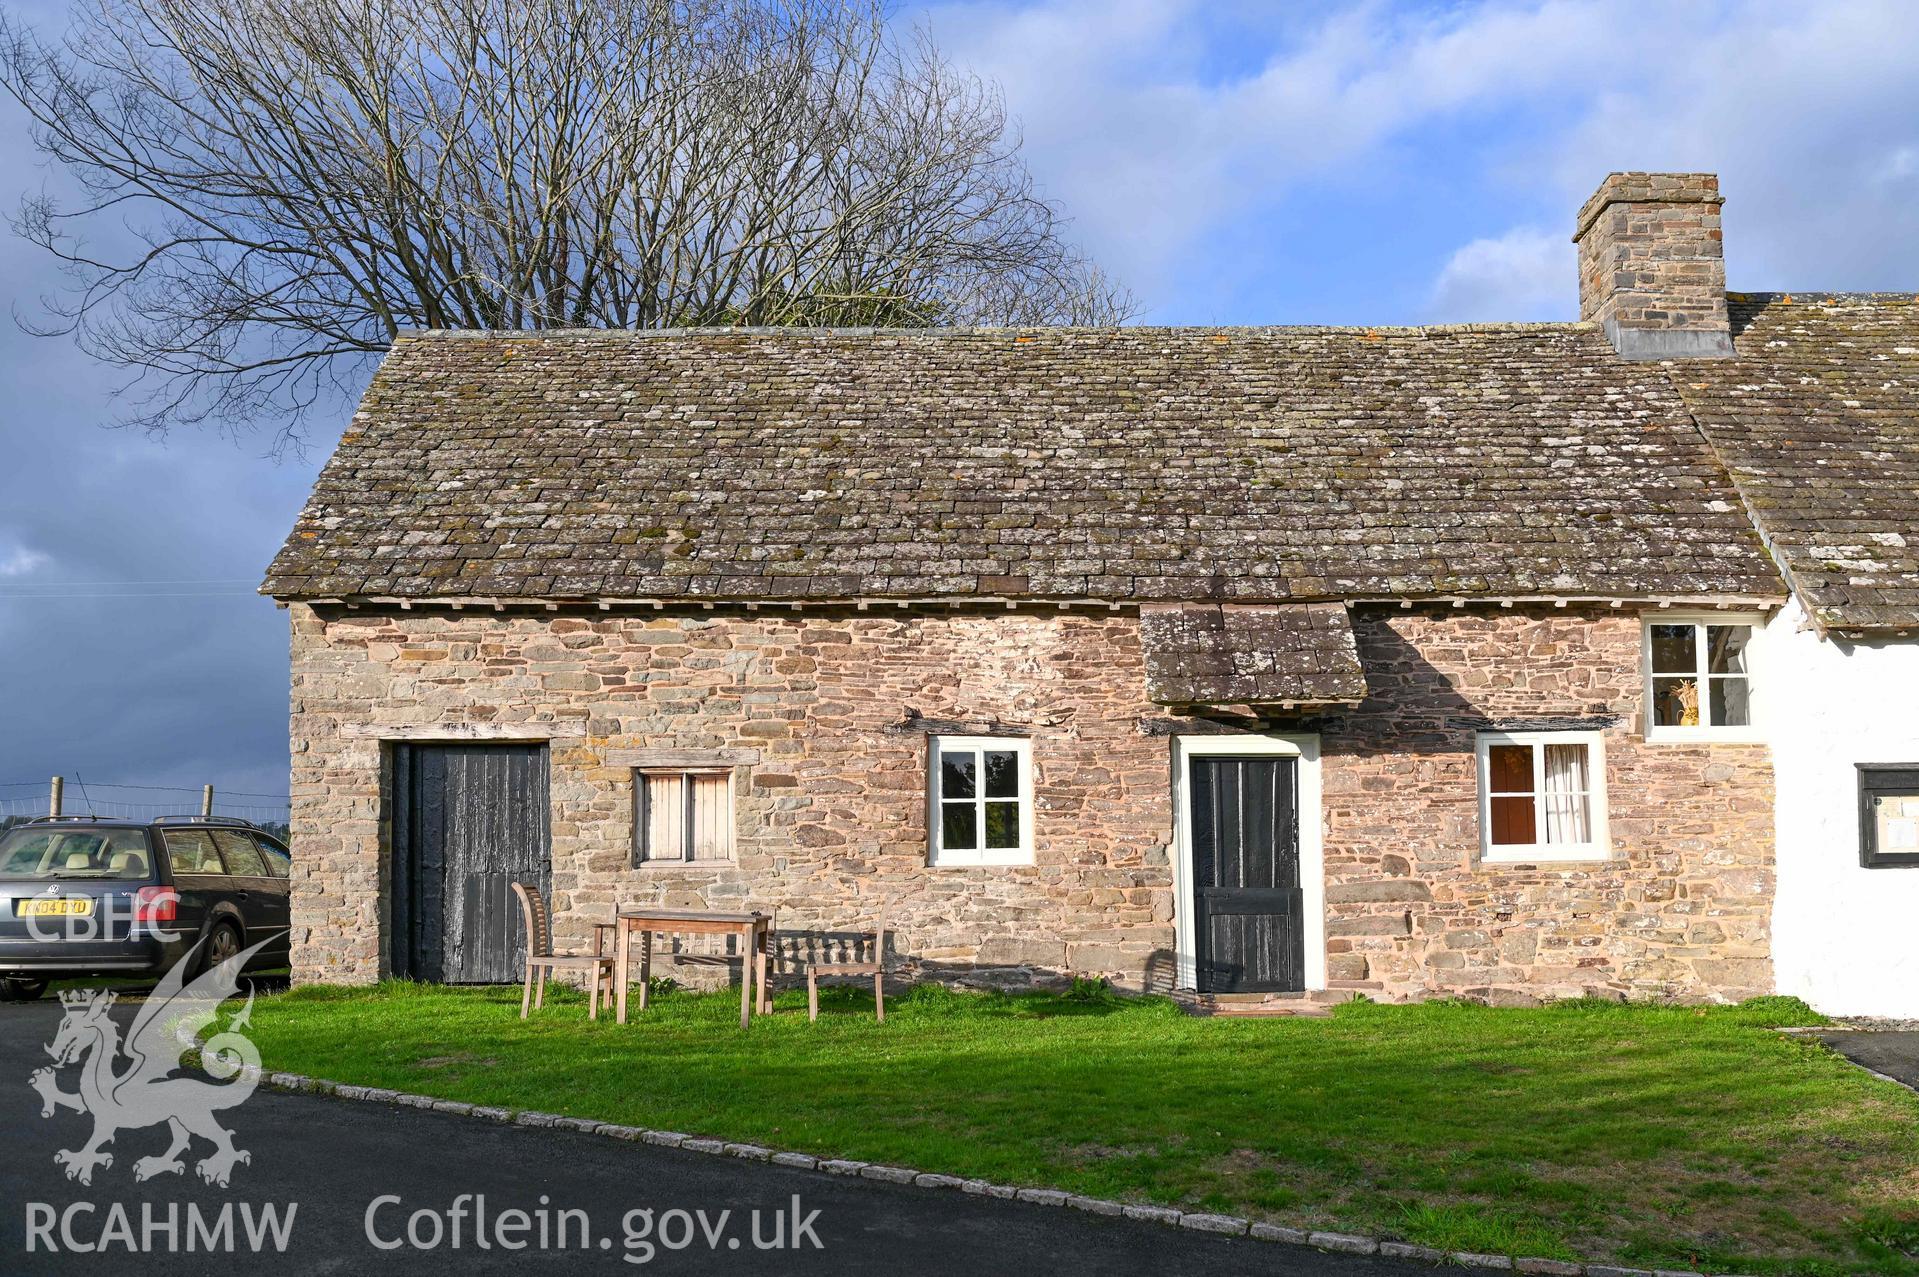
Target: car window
x,y
278,862
241,855
117,854
191,851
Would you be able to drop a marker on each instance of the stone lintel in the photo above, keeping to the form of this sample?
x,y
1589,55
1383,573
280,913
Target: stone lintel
x,y
668,758
562,730
915,724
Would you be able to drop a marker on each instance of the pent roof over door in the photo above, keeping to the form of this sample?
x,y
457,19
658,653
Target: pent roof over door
x,y
1207,654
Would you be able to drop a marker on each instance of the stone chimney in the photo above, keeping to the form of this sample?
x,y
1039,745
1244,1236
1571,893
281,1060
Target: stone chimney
x,y
1652,268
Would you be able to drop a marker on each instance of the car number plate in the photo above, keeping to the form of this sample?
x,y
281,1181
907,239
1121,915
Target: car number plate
x,y
63,908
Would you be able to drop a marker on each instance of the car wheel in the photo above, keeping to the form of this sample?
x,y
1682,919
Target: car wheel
x,y
222,943
21,989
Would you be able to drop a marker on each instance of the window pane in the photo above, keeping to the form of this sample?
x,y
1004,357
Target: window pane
x,y
28,855
1674,649
1002,773
120,854
1675,702
959,827
277,863
1897,821
1730,702
1566,800
1726,648
1513,822
1002,825
191,852
1510,769
956,774
242,854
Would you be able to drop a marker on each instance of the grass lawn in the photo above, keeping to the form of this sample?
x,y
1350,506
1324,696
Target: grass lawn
x,y
1662,1137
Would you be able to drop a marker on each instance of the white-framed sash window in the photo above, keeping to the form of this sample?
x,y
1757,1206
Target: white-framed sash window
x,y
979,802
1699,677
1542,796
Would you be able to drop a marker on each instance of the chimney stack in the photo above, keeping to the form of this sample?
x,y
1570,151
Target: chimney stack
x,y
1652,268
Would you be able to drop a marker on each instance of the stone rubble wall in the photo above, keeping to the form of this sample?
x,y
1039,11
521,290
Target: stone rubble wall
x,y
831,819
1682,909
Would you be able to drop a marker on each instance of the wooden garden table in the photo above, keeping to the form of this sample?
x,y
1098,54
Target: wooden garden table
x,y
753,929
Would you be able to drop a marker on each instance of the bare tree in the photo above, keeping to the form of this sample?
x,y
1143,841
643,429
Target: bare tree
x,y
304,179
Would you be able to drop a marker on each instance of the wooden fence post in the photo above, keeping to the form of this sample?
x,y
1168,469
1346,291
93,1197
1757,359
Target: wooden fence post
x,y
53,795
206,801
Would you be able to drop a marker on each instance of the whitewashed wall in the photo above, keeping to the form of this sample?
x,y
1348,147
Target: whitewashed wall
x,y
1846,939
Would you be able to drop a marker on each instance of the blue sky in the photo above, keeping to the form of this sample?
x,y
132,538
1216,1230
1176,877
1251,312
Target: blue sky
x,y
1234,161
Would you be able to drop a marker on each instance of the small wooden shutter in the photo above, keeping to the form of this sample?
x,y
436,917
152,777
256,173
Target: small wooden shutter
x,y
665,809
711,809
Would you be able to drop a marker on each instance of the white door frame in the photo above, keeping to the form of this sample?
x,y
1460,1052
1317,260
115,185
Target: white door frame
x,y
1312,854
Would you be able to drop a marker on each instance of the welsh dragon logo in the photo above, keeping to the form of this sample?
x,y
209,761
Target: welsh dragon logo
x,y
145,1091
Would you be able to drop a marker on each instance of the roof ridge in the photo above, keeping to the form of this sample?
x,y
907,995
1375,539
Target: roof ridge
x,y
1790,294
543,334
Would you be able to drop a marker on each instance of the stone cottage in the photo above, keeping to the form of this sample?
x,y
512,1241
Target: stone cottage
x,y
1405,661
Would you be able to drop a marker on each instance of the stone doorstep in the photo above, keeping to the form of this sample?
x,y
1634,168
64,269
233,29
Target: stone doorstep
x,y
1197,1221
1309,997
1261,1012
1311,1003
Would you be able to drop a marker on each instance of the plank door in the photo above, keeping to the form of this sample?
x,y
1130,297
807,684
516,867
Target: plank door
x,y
469,820
1248,912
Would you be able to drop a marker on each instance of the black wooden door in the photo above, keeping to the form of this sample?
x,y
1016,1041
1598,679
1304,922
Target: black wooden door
x,y
468,822
1249,915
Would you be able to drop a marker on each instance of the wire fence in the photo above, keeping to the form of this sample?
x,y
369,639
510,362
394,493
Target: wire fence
x,y
23,800
28,590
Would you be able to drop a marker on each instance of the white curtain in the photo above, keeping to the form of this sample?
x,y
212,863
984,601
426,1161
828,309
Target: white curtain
x,y
1564,795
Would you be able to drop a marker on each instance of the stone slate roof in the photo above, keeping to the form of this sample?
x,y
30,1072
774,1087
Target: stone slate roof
x,y
1818,420
1236,654
1133,464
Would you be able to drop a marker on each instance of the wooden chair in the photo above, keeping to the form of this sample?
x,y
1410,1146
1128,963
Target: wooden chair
x,y
541,958
876,968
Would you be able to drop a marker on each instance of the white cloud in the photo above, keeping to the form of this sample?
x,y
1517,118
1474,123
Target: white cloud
x,y
1128,121
1797,108
1524,274
1172,146
19,561
1899,166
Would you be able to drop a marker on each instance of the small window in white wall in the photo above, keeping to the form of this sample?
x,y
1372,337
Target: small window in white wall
x,y
980,800
1542,796
1889,815
1698,678
683,815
